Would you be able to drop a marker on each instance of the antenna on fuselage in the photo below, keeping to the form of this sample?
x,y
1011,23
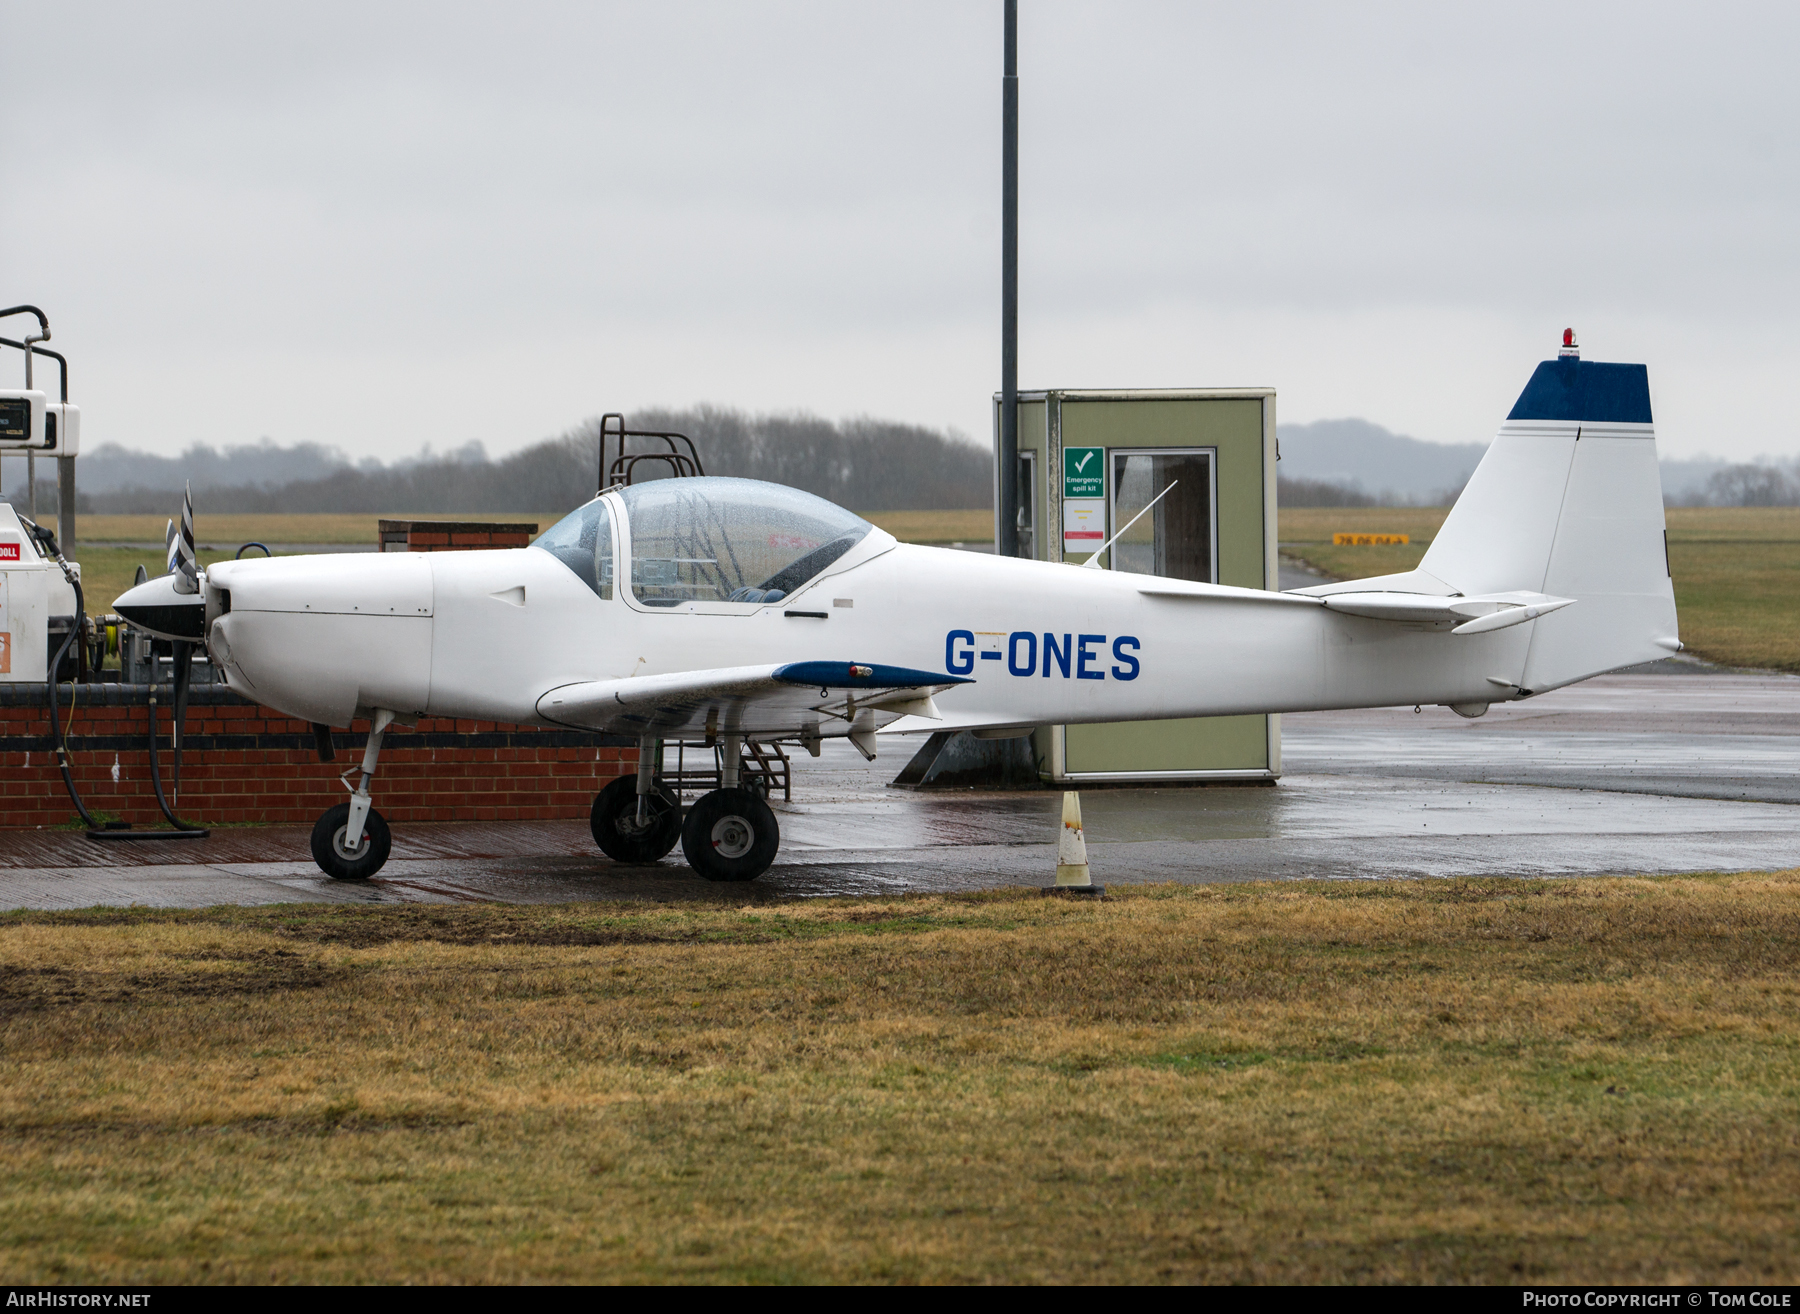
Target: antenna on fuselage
x,y
1094,560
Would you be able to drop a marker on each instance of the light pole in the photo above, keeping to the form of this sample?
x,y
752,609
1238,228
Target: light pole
x,y
1007,512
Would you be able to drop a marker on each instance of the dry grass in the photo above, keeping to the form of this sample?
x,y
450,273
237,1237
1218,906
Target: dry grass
x,y
976,526
229,530
1737,570
1316,524
1499,1081
108,571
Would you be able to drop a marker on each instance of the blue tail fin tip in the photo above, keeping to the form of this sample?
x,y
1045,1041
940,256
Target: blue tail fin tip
x,y
1586,392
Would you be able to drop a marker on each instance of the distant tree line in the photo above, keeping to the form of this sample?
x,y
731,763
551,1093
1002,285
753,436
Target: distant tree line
x,y
1751,484
1319,492
863,464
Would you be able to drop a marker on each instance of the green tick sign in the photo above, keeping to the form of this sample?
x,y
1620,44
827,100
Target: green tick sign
x,y
1084,472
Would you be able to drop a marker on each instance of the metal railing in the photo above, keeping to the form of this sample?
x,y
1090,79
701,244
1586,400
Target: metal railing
x,y
764,768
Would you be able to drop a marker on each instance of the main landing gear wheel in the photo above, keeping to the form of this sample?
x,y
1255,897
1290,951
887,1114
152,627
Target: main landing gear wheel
x,y
617,830
730,835
345,864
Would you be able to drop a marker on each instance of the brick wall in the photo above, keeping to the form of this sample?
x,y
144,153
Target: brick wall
x,y
245,763
450,535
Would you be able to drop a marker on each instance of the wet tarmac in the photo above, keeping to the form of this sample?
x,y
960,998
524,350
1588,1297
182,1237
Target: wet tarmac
x,y
1675,768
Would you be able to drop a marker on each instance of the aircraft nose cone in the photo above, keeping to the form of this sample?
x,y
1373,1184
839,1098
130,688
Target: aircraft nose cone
x,y
155,606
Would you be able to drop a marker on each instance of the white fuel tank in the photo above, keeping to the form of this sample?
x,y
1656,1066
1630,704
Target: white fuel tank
x,y
32,590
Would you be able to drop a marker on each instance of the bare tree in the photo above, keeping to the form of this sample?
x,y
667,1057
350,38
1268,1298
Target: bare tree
x,y
1751,485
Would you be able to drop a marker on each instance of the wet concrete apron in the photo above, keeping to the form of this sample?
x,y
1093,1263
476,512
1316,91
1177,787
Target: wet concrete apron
x,y
1683,769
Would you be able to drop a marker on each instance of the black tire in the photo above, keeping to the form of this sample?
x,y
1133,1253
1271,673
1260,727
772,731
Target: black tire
x,y
328,840
615,825
730,835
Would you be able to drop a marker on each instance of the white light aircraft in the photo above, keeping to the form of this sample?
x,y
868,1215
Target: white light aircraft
x,y
729,609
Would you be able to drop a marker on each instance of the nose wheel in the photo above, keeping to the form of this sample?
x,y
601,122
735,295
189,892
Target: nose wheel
x,y
351,841
730,835
341,860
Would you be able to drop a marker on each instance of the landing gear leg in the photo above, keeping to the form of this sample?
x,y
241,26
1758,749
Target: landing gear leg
x,y
351,841
649,761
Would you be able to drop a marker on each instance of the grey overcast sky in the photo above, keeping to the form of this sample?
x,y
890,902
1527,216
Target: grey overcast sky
x,y
385,225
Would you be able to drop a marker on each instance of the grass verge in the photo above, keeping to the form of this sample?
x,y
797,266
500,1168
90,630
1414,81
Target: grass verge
x,y
1489,1081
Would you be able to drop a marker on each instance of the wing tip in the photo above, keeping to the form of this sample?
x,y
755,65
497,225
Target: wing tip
x,y
863,675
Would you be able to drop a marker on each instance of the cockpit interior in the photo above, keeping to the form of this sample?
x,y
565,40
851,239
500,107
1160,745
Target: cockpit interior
x,y
706,539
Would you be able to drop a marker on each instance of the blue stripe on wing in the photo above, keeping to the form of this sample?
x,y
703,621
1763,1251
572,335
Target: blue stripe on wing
x,y
850,675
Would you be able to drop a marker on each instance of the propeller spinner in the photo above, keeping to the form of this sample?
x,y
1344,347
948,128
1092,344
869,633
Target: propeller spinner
x,y
171,606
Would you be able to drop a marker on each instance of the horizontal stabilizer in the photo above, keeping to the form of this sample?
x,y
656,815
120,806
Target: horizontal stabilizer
x,y
1190,591
780,701
1439,607
1476,615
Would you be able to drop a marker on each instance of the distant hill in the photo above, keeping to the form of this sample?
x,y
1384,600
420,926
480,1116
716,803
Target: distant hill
x,y
1389,468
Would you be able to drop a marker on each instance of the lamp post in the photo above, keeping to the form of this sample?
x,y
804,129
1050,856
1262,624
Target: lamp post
x,y
1007,512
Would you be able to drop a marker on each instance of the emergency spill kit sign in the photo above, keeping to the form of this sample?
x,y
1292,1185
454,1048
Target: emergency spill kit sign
x,y
1084,472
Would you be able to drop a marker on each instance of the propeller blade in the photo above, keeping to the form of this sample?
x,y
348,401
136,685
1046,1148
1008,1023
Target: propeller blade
x,y
184,562
183,671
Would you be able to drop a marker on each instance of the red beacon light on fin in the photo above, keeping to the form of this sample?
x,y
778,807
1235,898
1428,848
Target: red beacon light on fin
x,y
1570,351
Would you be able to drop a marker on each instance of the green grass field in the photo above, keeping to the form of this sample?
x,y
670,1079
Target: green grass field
x,y
1589,1081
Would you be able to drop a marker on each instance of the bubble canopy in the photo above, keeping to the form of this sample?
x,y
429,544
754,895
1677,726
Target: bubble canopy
x,y
710,540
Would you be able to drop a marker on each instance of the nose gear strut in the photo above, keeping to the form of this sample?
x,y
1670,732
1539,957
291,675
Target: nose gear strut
x,y
351,841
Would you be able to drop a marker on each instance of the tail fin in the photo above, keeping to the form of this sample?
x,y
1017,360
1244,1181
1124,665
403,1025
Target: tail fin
x,y
1568,501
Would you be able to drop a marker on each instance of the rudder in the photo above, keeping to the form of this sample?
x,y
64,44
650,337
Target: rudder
x,y
1568,502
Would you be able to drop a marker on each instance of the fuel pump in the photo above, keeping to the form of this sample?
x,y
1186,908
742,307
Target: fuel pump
x,y
45,632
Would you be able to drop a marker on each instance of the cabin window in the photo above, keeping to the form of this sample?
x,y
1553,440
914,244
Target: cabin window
x,y
1177,538
730,540
582,541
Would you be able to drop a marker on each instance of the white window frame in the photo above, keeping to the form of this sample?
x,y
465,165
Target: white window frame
x,y
1212,492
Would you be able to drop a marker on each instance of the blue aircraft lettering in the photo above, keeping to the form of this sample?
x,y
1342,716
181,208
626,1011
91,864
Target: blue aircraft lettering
x,y
1081,657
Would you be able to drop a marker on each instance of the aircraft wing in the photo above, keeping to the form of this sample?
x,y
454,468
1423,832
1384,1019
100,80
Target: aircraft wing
x,y
793,698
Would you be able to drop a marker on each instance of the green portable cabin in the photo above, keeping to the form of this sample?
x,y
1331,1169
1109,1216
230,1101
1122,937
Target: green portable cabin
x,y
1089,461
